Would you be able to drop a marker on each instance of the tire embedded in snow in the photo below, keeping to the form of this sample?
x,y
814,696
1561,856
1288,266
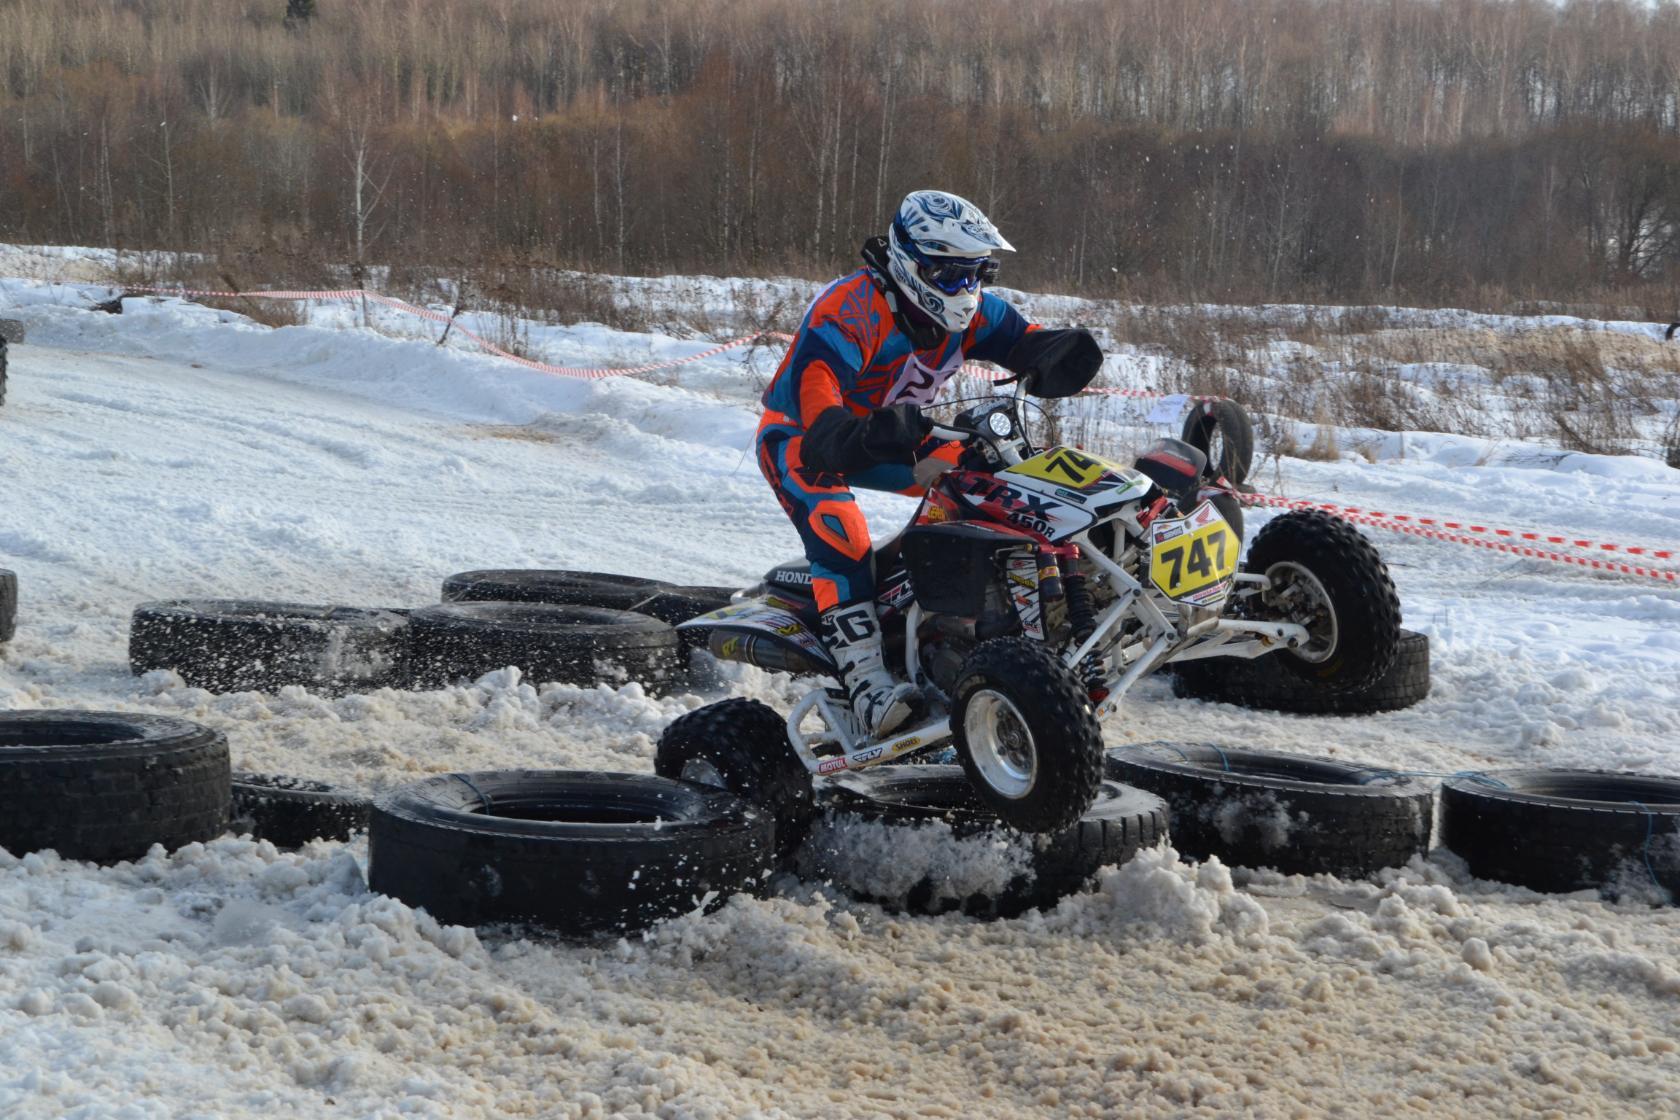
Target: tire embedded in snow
x,y
234,645
8,605
679,604
562,588
1298,815
3,362
674,605
106,786
1264,683
1221,430
290,812
573,645
1566,830
584,853
934,847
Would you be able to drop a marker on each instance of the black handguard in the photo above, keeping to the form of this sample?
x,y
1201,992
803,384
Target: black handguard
x,y
1059,363
838,441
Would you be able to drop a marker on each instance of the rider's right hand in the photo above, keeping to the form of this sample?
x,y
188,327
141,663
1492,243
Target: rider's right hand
x,y
897,430
841,441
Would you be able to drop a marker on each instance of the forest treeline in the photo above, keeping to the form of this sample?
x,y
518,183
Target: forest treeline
x,y
1419,150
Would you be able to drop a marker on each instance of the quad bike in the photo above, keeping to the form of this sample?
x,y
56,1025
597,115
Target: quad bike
x,y
1033,589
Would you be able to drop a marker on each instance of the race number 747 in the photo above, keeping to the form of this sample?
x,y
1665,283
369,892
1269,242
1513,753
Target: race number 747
x,y
1192,553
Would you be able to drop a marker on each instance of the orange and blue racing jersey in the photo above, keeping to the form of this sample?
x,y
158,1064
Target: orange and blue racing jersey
x,y
848,352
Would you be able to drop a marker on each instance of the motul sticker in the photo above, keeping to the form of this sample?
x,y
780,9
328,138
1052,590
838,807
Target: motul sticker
x,y
830,765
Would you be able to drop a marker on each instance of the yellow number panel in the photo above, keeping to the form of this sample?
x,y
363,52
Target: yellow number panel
x,y
1066,467
1192,558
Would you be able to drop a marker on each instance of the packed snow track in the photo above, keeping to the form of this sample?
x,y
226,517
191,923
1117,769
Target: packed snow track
x,y
177,451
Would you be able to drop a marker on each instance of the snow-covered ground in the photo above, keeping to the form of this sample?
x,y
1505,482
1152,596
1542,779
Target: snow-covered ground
x,y
181,451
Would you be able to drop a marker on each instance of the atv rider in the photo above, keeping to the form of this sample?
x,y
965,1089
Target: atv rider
x,y
843,410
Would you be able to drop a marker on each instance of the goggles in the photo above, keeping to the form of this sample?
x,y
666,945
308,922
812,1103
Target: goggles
x,y
949,274
958,274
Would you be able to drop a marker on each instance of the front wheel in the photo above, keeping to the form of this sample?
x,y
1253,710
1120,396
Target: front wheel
x,y
742,746
1322,574
1026,735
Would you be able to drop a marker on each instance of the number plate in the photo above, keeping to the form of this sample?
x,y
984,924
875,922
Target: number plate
x,y
1192,558
1067,467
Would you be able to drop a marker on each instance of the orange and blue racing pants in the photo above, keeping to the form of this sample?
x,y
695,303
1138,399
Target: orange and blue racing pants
x,y
825,513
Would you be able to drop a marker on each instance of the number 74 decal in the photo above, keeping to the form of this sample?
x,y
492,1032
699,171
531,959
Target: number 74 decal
x,y
1193,557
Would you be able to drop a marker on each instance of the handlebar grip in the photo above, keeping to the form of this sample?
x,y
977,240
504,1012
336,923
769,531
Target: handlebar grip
x,y
943,432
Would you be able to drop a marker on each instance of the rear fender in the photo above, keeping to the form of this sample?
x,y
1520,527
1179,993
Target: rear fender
x,y
760,634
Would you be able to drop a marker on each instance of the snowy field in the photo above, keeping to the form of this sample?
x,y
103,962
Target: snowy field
x,y
181,451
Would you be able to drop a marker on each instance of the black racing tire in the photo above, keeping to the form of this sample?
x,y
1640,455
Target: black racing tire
x,y
106,786
1299,815
1221,430
1264,684
1365,606
289,812
587,854
547,643
1061,764
919,880
561,588
742,746
1566,830
238,645
8,604
3,364
679,604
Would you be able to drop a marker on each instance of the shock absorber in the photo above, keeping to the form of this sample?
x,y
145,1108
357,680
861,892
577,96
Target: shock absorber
x,y
1082,616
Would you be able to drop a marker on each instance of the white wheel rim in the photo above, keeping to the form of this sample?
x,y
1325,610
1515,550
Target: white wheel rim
x,y
701,771
1304,599
1000,743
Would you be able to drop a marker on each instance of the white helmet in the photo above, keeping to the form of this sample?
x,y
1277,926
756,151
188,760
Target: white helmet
x,y
940,252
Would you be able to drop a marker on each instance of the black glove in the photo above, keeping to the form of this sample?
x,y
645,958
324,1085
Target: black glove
x,y
838,442
1059,362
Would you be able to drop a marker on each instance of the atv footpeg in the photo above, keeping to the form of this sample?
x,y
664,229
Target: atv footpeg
x,y
841,733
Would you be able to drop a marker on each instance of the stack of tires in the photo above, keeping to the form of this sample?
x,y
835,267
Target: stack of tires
x,y
568,627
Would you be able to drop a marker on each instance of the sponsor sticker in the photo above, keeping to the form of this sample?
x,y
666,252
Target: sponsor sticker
x,y
830,765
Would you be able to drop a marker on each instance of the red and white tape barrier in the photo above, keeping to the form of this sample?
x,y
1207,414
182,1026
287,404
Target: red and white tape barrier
x,y
1424,527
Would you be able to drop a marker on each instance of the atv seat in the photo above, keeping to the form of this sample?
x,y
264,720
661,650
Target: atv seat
x,y
1176,467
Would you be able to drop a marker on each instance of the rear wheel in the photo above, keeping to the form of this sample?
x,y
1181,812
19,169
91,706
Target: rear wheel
x,y
1323,575
1026,735
742,746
